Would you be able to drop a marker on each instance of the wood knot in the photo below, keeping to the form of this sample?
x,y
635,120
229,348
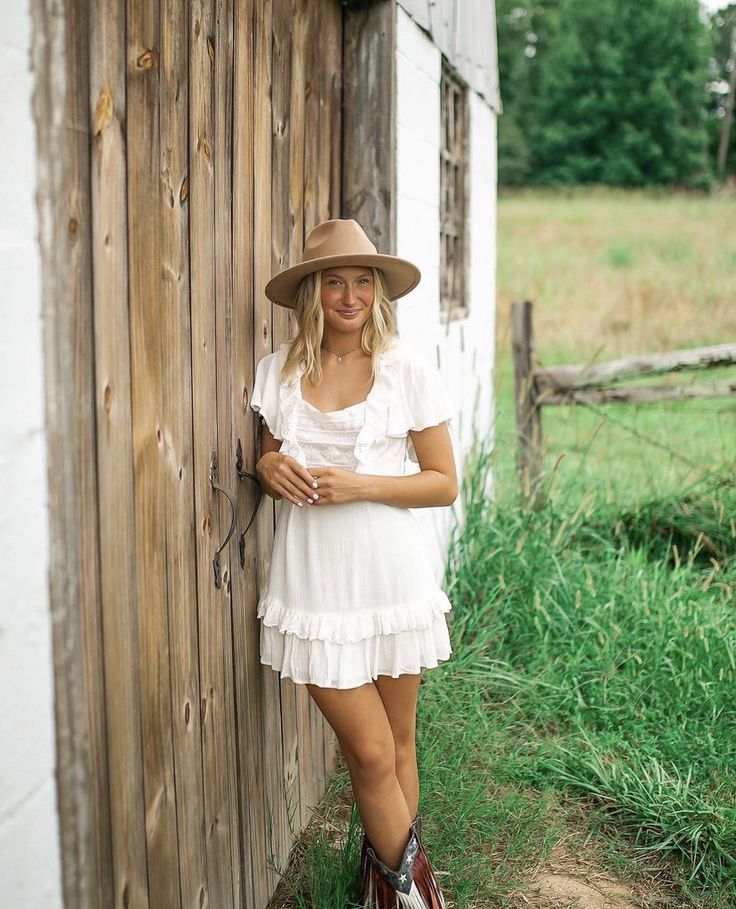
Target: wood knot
x,y
103,110
148,59
203,147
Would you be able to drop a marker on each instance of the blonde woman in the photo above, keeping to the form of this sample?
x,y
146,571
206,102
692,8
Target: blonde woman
x,y
351,608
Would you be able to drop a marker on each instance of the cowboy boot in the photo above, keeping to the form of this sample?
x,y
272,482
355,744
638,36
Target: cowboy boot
x,y
364,864
412,886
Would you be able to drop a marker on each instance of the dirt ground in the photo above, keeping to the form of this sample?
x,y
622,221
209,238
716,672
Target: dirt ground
x,y
571,879
572,876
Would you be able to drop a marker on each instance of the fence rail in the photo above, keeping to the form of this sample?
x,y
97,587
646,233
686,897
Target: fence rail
x,y
596,383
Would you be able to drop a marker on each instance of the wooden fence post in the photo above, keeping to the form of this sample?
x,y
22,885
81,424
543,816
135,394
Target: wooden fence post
x,y
528,414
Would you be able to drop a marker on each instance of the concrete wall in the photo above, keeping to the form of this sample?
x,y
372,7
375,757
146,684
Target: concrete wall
x,y
464,349
29,855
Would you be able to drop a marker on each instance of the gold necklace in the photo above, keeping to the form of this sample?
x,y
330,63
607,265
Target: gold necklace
x,y
340,357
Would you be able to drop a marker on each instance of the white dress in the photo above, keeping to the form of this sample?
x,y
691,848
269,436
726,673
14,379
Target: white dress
x,y
350,593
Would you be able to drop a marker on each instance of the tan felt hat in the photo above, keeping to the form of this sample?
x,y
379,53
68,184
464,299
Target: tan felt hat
x,y
341,242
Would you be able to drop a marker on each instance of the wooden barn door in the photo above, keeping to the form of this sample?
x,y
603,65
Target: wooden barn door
x,y
201,140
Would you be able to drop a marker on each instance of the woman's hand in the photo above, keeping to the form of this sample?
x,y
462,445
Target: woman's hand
x,y
284,477
336,485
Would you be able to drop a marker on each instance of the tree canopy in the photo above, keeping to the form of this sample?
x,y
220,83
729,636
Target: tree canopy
x,y
606,91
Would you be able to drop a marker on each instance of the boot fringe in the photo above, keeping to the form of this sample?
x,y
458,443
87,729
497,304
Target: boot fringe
x,y
376,892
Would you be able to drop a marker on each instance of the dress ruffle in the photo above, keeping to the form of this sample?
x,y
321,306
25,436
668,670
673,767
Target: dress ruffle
x,y
265,398
328,664
407,394
349,627
424,402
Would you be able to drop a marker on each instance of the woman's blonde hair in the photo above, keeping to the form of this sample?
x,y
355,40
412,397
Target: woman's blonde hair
x,y
377,333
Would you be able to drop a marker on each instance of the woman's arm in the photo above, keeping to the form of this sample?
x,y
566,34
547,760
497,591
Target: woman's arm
x,y
435,484
268,444
280,475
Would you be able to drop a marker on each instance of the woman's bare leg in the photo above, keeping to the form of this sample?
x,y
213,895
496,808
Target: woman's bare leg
x,y
361,725
399,698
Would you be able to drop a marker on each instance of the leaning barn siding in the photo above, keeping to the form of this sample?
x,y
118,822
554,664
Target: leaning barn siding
x,y
184,149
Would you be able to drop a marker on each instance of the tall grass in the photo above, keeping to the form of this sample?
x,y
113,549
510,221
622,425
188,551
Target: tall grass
x,y
594,658
607,640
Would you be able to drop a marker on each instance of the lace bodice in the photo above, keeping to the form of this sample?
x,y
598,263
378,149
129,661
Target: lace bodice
x,y
329,437
407,394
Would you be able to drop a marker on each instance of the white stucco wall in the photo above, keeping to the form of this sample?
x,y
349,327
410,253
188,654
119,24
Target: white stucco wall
x,y
29,855
464,349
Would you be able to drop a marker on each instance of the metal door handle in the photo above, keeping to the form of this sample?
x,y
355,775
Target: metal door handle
x,y
216,557
245,474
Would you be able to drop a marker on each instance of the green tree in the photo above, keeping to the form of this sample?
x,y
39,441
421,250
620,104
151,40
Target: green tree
x,y
622,96
521,40
722,24
606,91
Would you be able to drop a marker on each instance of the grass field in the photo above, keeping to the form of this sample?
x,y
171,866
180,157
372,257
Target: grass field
x,y
580,747
612,274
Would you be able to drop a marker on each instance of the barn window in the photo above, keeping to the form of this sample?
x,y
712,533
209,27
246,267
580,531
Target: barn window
x,y
453,194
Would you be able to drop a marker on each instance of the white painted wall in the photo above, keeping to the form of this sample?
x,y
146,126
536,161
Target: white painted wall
x,y
29,853
464,349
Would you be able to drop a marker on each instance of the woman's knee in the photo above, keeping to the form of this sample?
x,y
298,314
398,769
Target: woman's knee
x,y
372,758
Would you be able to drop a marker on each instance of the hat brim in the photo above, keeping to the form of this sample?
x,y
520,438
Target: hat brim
x,y
401,275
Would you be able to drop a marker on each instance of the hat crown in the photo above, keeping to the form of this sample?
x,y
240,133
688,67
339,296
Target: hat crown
x,y
337,237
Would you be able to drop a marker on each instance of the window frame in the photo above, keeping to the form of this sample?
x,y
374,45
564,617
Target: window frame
x,y
454,195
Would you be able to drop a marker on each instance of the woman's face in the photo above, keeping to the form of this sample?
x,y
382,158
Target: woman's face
x,y
347,297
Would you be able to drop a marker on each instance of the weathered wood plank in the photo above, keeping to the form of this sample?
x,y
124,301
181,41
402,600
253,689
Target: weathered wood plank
x,y
61,115
322,171
528,416
369,115
252,24
298,772
213,603
108,177
221,54
329,206
272,156
640,394
147,346
181,581
307,63
116,749
596,374
331,110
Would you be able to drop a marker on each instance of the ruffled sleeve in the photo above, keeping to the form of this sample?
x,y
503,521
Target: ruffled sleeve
x,y
265,399
420,401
